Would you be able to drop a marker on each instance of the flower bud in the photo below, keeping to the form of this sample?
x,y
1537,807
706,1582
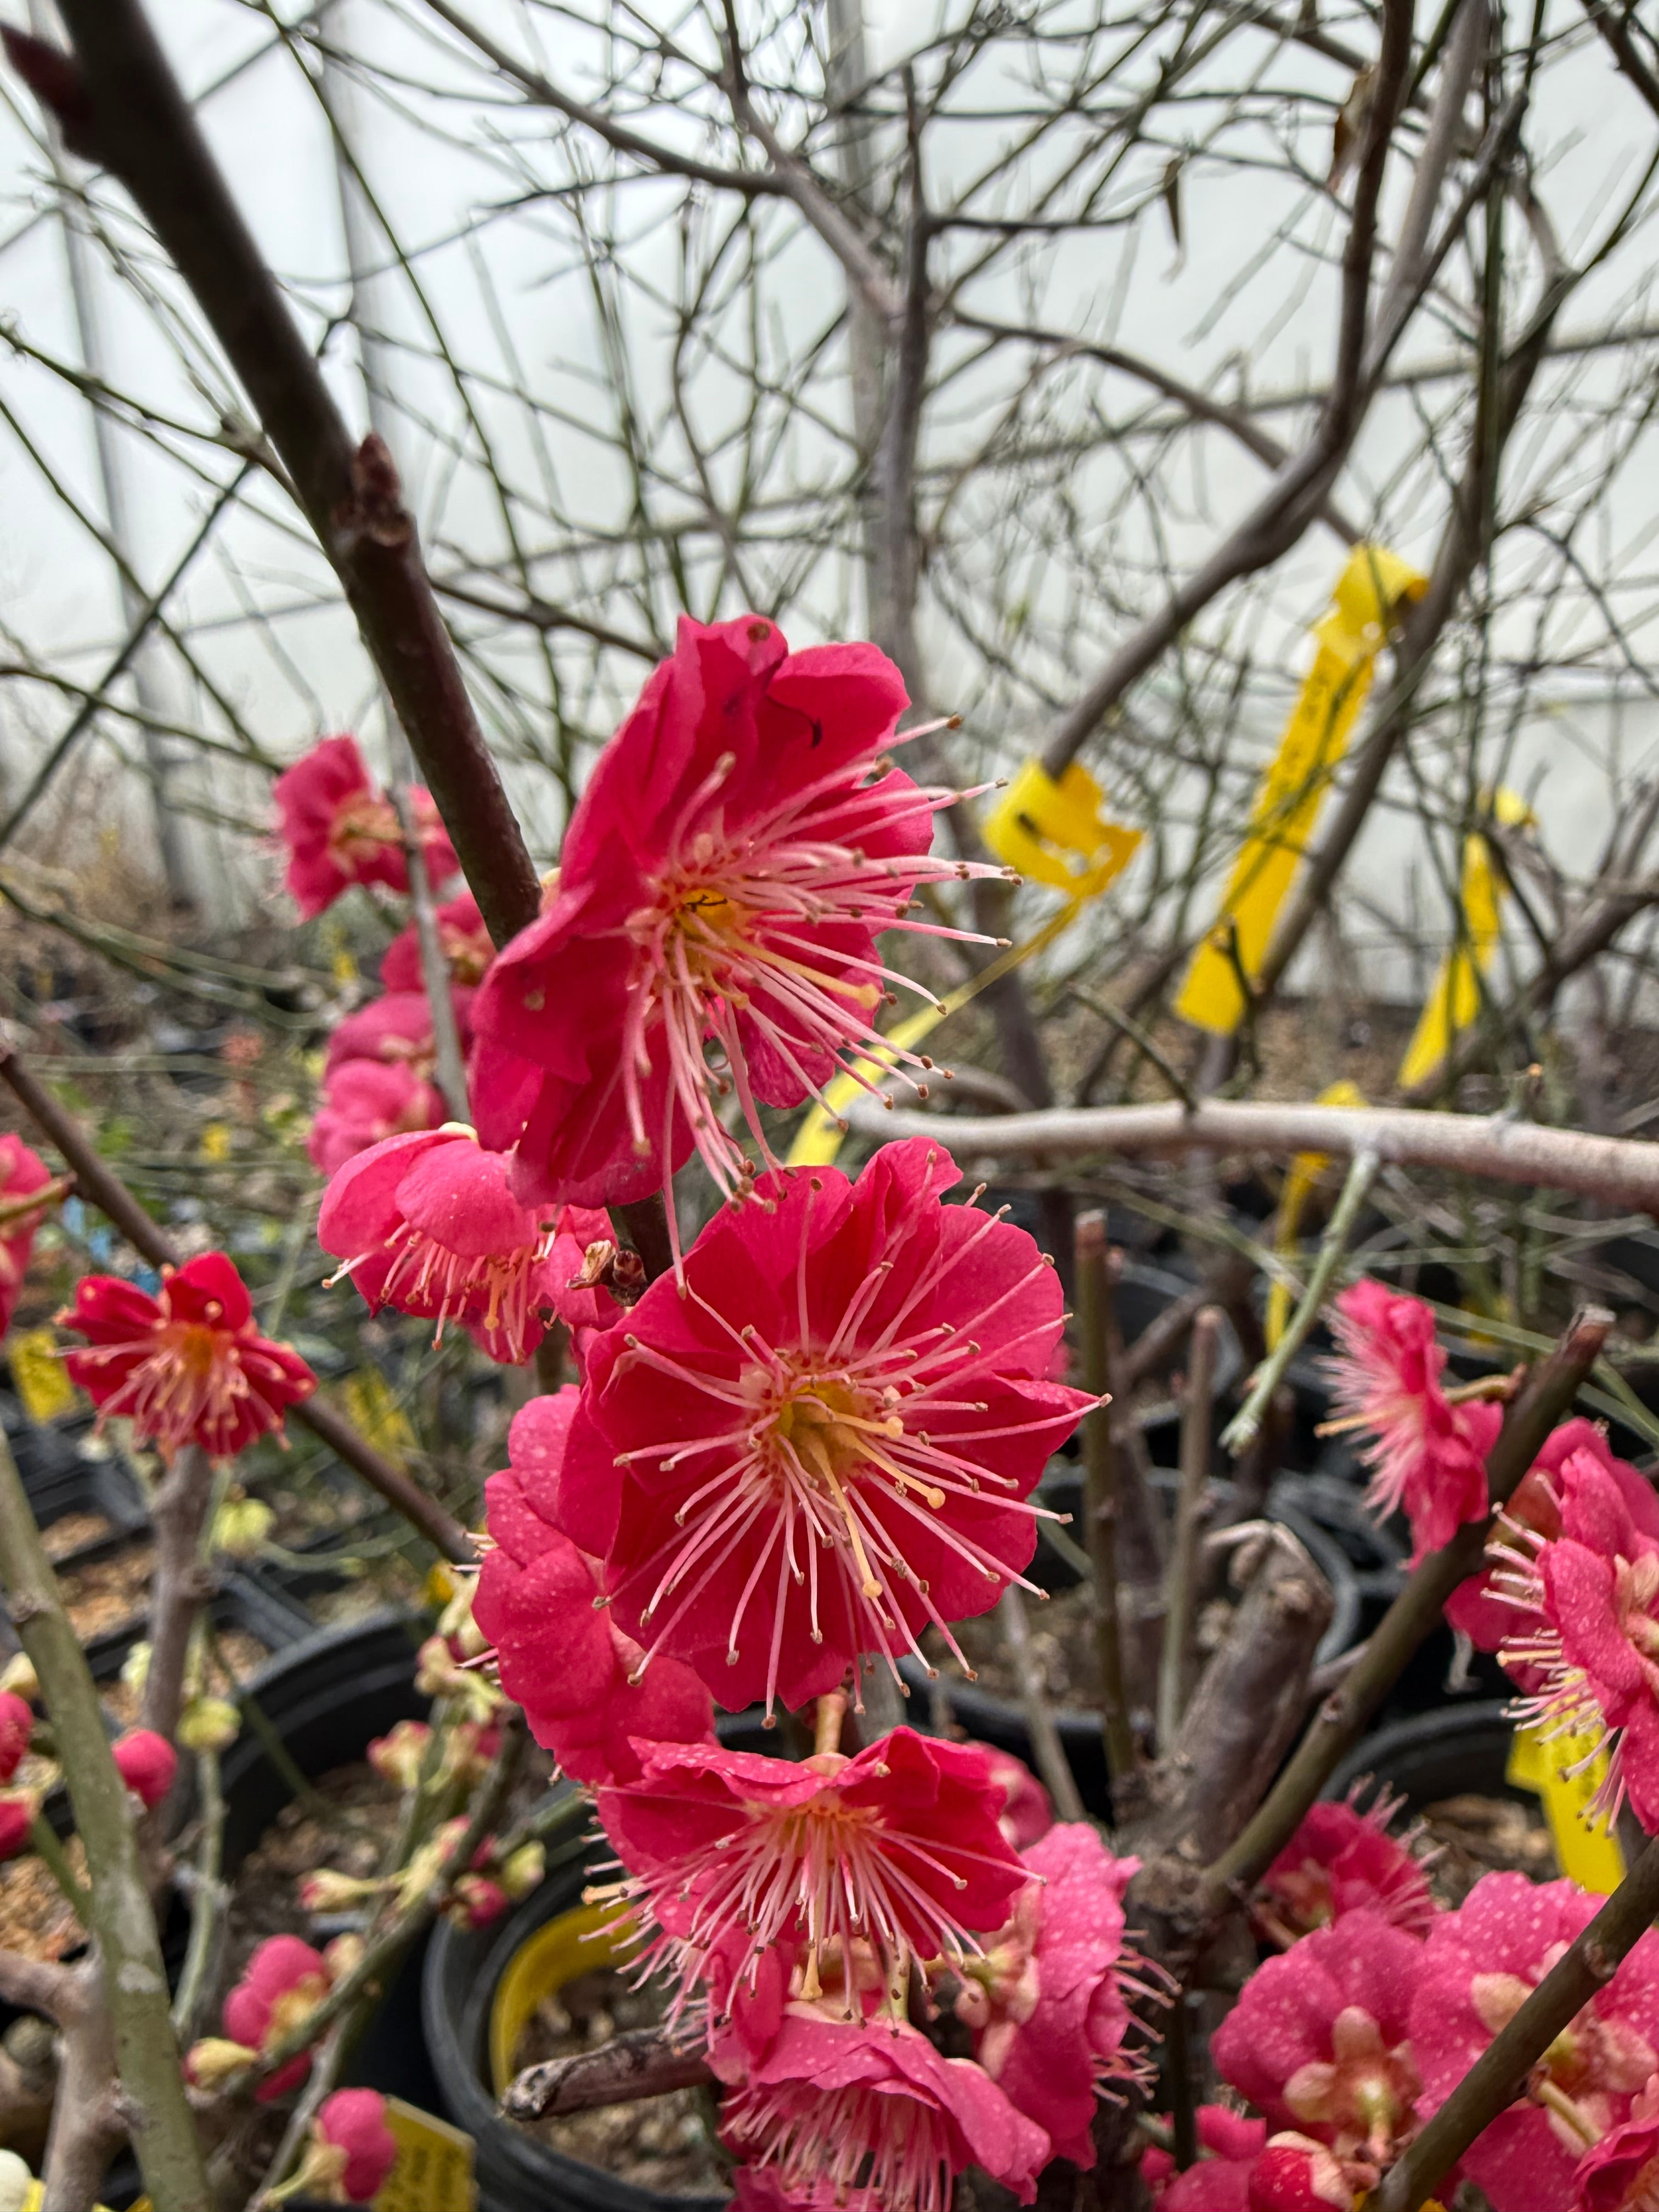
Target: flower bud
x,y
209,1724
475,1901
440,1675
20,1678
134,1668
215,2059
241,1526
466,1638
399,1757
147,1763
17,1810
357,2147
343,1956
16,1727
524,1870
327,1890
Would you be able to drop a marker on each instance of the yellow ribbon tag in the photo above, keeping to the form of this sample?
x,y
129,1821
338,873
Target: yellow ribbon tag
x,y
1455,1001
36,1369
377,1414
1042,828
1591,1857
434,2173
1369,594
1303,1173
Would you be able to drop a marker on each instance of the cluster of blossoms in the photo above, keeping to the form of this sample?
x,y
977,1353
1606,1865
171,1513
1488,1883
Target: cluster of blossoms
x,y
1353,2037
1569,1599
26,1185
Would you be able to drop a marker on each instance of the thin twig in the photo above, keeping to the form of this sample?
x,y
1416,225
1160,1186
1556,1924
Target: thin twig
x,y
1173,1673
1045,1747
1101,1473
1241,1431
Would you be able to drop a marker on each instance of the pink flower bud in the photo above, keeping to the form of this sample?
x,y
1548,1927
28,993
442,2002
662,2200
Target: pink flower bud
x,y
399,1757
16,1726
351,2130
475,1901
215,2059
147,1763
17,1812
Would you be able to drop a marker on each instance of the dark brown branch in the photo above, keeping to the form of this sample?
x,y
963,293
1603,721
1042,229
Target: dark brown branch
x,y
101,1187
1606,19
119,104
648,2063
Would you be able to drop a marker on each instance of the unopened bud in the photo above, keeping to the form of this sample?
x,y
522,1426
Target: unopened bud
x,y
215,2059
134,1668
20,1678
329,1891
475,1901
466,1638
524,1870
16,2182
242,1527
209,1724
344,1956
400,1756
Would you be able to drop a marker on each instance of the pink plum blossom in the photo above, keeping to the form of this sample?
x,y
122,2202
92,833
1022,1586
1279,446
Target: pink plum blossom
x,y
874,2120
898,1847
738,850
1425,1455
562,1657
1585,1644
359,2149
396,1029
428,1223
364,1102
1229,2145
21,1172
1620,2173
462,938
1477,1967
1340,1860
1478,1608
339,830
147,1763
1052,2035
1318,2039
826,1439
283,1982
187,1366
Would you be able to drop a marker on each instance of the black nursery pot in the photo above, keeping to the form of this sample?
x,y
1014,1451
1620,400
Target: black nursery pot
x,y
516,2172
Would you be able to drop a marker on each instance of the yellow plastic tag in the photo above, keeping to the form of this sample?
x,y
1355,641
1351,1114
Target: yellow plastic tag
x,y
576,1942
377,1415
1369,593
1303,1173
36,1369
434,2173
1591,1857
1455,1000
1041,827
